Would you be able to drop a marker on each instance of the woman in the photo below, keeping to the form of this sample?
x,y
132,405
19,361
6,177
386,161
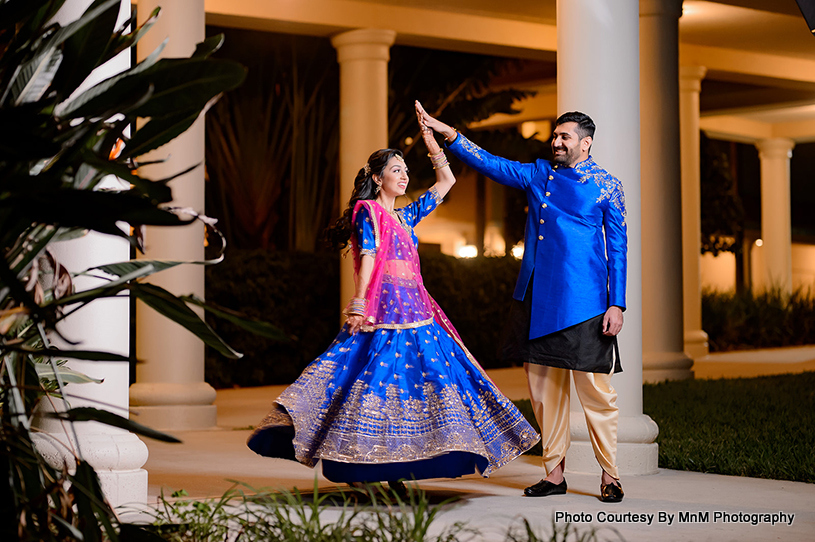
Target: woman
x,y
396,395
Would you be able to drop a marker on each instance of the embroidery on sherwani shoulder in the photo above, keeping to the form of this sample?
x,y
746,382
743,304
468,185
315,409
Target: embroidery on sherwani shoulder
x,y
610,187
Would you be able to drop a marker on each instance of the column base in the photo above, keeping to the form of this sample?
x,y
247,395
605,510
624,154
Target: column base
x,y
116,457
124,488
696,345
637,453
632,459
176,417
660,366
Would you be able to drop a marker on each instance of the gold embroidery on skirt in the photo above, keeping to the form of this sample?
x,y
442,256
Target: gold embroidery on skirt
x,y
363,427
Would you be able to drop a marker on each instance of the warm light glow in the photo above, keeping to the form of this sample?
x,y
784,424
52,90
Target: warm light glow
x,y
408,141
518,251
759,242
468,251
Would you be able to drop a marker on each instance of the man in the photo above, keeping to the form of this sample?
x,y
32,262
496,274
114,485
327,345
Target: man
x,y
570,294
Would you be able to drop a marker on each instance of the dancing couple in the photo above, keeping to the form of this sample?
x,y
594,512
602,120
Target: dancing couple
x,y
397,396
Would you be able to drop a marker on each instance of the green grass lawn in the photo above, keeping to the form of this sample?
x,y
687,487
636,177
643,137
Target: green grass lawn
x,y
761,427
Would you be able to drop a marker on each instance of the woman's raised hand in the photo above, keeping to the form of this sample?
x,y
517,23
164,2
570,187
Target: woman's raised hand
x,y
426,121
444,176
427,134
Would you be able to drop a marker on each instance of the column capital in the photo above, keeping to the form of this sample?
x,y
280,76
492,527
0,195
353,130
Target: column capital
x,y
775,147
690,78
364,44
661,8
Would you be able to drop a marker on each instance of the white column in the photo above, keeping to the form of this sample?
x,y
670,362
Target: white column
x,y
776,220
170,392
663,342
115,454
363,56
690,85
598,74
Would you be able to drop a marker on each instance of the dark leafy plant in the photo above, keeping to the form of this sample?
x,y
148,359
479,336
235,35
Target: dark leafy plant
x,y
248,147
314,104
722,210
745,320
56,145
296,291
273,145
373,514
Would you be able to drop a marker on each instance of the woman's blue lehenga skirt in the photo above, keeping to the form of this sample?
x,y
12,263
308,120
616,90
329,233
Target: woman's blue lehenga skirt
x,y
392,404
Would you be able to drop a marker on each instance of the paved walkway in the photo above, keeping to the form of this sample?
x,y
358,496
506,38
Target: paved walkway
x,y
670,505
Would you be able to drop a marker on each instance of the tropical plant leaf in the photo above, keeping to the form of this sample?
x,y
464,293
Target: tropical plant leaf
x,y
185,85
129,532
157,191
67,234
67,375
14,12
208,46
90,355
94,210
121,269
27,76
83,51
27,140
32,242
107,290
177,310
157,132
61,523
108,93
90,504
121,41
10,284
90,414
33,77
51,164
131,266
264,329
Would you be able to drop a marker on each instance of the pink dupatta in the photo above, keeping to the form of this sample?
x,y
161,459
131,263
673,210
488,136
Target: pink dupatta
x,y
396,296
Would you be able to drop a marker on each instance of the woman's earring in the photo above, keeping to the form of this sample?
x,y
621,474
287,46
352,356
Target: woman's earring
x,y
377,189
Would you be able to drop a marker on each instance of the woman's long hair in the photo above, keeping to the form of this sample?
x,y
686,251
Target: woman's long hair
x,y
338,235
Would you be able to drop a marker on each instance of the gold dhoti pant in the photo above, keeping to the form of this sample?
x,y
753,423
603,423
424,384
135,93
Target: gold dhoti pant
x,y
549,389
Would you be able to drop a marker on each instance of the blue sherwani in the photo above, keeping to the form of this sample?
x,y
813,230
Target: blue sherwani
x,y
575,241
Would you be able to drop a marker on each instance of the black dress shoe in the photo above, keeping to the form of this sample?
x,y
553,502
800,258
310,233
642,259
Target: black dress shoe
x,y
545,488
611,492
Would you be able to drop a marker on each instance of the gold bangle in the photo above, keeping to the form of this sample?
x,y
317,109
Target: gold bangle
x,y
454,136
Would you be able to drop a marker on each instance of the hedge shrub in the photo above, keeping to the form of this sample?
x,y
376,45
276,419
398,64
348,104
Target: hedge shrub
x,y
738,321
297,292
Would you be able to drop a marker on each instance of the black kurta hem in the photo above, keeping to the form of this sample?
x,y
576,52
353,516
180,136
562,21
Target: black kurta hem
x,y
581,347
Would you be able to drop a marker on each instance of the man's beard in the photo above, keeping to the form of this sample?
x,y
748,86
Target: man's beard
x,y
569,157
